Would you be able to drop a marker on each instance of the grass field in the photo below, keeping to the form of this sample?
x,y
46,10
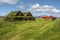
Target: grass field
x,y
30,30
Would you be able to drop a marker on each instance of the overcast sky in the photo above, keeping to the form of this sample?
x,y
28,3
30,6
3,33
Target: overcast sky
x,y
36,7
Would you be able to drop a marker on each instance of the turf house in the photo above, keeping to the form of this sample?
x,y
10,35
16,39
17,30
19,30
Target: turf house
x,y
18,15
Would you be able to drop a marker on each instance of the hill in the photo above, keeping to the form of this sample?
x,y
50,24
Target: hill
x,y
30,30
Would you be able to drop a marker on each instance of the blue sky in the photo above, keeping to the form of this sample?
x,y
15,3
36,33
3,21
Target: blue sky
x,y
36,7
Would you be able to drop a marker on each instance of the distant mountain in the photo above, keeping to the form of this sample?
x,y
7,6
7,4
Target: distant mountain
x,y
1,17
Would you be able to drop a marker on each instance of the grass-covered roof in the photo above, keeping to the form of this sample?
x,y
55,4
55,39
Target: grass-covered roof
x,y
12,13
25,13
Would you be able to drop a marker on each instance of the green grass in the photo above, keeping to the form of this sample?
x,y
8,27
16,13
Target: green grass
x,y
30,30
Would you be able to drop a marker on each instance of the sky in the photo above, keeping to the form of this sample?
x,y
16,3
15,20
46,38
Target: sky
x,y
36,7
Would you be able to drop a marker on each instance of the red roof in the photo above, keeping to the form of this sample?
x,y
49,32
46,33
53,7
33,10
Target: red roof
x,y
49,17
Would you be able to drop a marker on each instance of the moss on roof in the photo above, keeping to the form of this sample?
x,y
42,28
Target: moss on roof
x,y
25,13
12,13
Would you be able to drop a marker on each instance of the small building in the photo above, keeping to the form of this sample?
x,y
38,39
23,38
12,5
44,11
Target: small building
x,y
15,15
18,16
47,17
29,16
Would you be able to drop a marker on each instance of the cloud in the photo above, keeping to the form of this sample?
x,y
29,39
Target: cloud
x,y
30,5
21,7
9,1
21,2
44,8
